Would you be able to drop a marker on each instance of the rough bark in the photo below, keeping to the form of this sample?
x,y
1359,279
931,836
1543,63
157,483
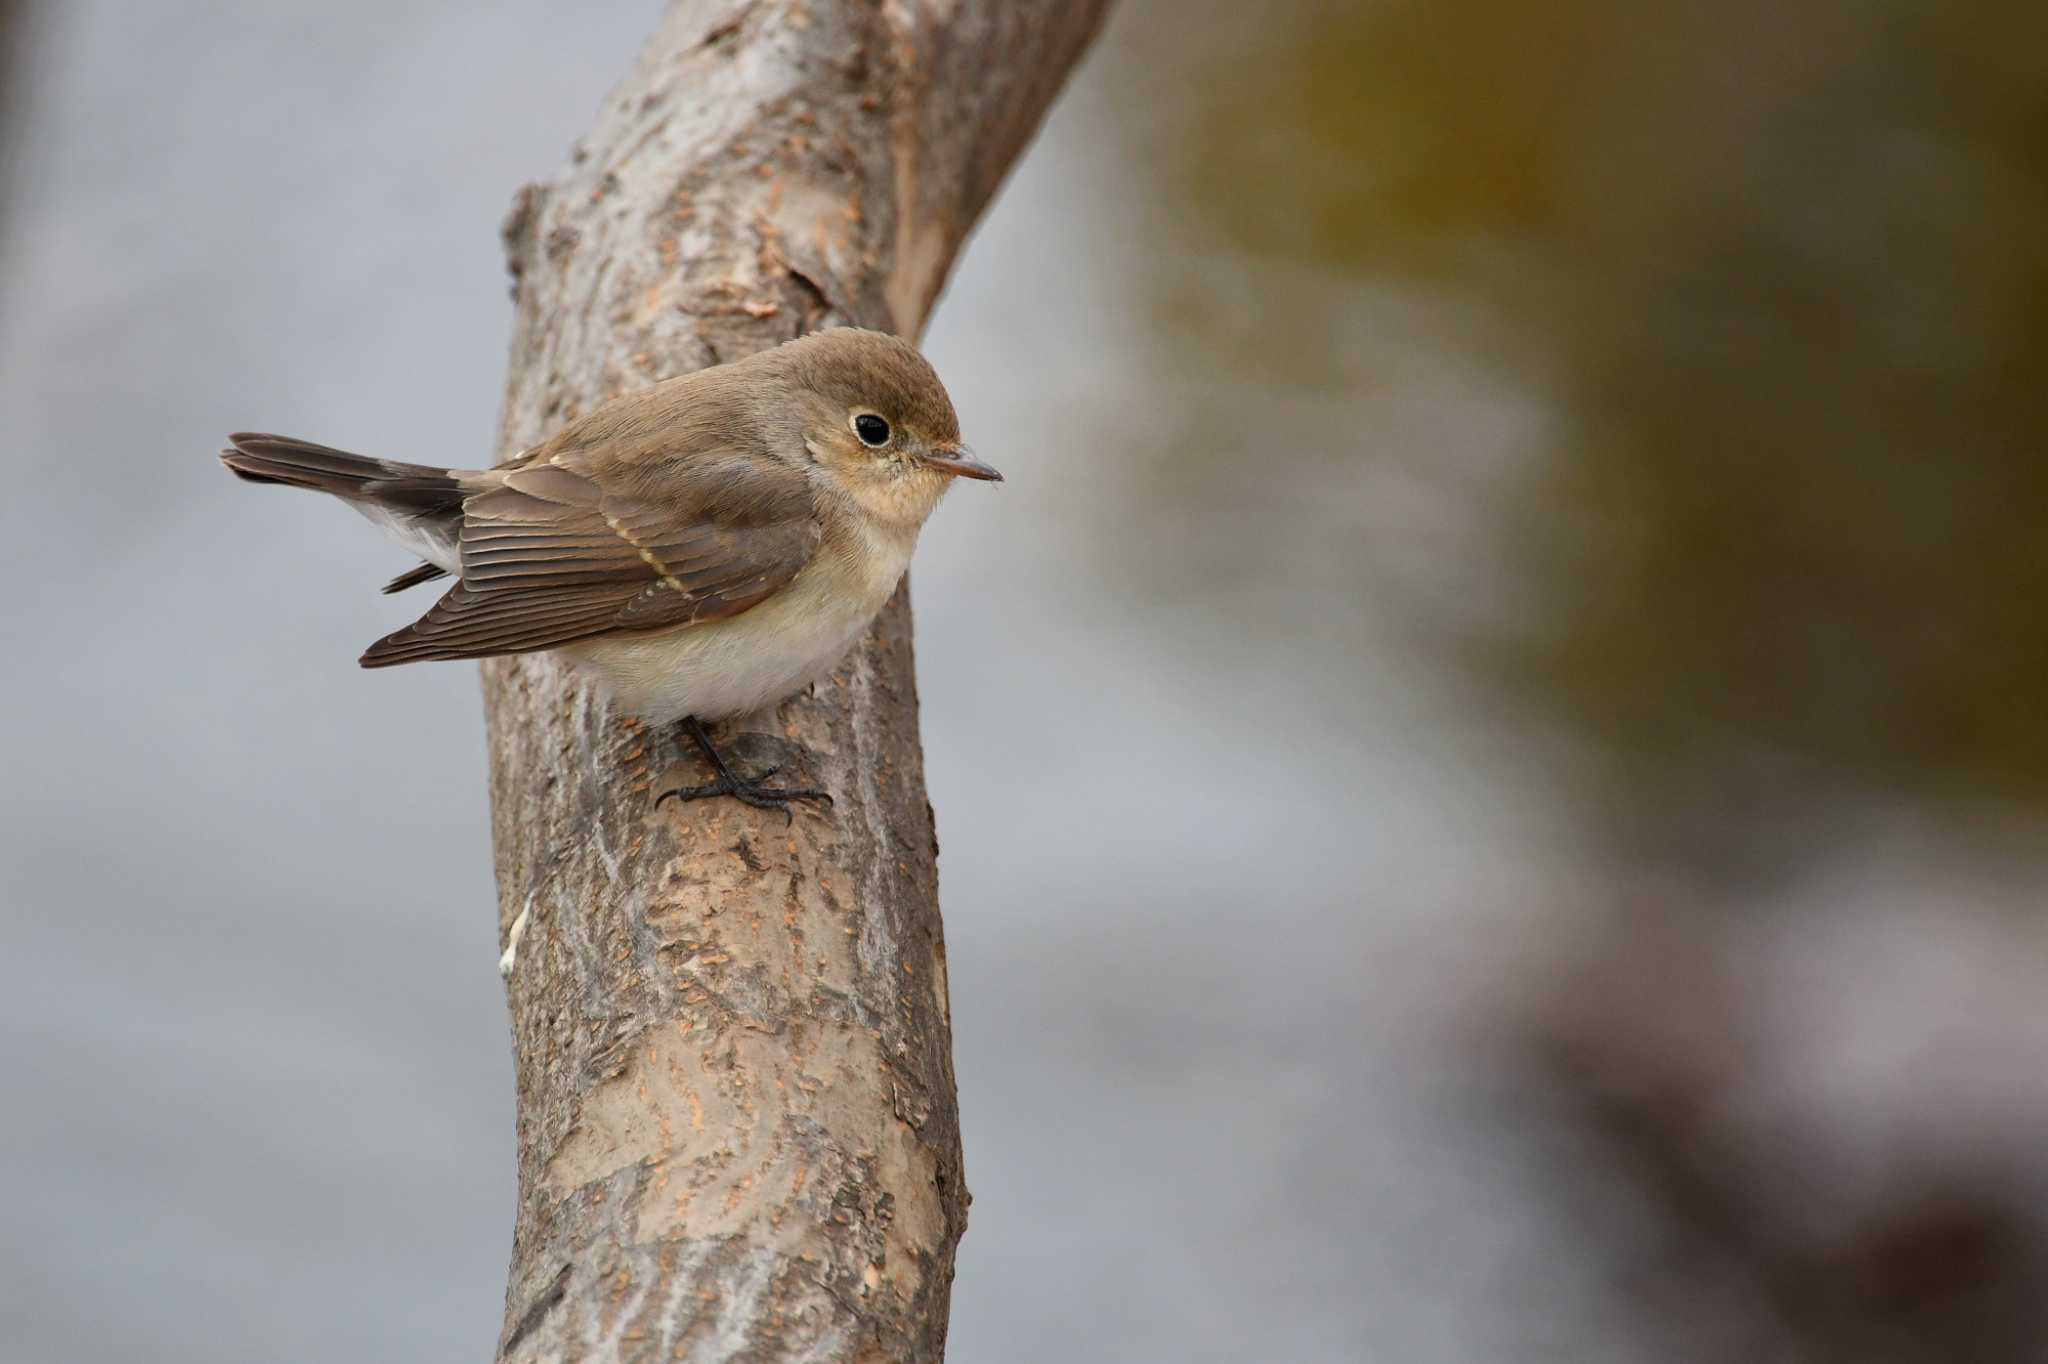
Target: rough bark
x,y
738,1134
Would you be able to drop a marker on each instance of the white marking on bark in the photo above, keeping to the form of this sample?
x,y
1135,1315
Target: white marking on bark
x,y
739,1314
679,1308
872,945
604,852
612,1344
511,954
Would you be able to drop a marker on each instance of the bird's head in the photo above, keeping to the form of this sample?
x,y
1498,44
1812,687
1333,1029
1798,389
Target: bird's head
x,y
877,420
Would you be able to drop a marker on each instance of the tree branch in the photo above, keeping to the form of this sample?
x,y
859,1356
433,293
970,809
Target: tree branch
x,y
738,1133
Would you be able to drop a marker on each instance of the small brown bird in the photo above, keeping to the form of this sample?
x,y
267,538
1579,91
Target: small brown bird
x,y
705,546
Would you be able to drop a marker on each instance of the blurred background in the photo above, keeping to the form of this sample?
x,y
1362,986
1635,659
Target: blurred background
x,y
1490,756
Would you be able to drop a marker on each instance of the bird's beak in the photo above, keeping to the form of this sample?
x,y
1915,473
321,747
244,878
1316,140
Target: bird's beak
x,y
960,460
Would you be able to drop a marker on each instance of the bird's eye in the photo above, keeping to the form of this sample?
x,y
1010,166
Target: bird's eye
x,y
871,429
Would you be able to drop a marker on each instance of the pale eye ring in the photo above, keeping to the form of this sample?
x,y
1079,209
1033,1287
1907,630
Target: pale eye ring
x,y
871,429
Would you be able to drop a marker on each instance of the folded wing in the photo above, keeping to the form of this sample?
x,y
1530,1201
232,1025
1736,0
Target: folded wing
x,y
549,556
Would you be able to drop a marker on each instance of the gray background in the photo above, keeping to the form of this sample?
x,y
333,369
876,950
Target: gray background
x,y
1240,875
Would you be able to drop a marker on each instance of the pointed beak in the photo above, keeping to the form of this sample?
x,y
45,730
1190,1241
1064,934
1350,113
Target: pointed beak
x,y
960,460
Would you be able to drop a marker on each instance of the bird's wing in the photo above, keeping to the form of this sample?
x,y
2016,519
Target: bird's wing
x,y
551,555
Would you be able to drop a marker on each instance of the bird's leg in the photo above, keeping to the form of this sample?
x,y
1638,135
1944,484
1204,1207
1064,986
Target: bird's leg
x,y
746,790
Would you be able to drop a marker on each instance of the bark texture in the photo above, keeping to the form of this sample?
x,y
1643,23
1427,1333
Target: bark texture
x,y
738,1134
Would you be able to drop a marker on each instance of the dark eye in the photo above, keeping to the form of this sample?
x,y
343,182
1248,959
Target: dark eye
x,y
871,429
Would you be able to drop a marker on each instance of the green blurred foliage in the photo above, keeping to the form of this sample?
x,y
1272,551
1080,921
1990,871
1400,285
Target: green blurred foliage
x,y
1782,274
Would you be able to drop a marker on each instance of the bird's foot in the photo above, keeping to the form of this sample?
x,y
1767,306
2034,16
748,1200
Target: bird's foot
x,y
746,790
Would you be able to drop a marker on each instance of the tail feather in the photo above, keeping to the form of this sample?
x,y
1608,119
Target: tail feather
x,y
413,577
412,489
419,506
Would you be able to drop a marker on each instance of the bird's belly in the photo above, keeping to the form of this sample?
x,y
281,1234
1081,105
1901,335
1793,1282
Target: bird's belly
x,y
733,666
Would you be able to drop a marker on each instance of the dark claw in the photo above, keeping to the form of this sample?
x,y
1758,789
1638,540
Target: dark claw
x,y
746,790
760,797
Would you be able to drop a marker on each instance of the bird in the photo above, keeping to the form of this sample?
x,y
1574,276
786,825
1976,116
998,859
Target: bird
x,y
702,548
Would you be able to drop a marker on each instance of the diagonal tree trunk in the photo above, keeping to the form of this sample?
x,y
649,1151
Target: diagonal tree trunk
x,y
738,1134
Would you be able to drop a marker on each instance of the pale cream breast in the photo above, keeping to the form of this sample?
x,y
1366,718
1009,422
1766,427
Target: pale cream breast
x,y
740,664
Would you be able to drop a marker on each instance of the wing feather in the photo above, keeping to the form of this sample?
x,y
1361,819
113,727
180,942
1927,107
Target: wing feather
x,y
549,556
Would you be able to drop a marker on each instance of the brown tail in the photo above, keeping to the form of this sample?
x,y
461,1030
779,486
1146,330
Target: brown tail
x,y
409,489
